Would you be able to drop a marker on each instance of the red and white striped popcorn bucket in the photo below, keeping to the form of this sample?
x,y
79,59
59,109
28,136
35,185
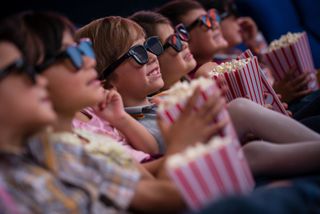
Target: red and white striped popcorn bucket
x,y
217,173
270,95
296,55
244,82
171,114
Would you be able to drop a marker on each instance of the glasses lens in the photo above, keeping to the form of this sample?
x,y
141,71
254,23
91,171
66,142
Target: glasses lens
x,y
182,32
140,54
175,42
86,48
154,45
75,56
206,21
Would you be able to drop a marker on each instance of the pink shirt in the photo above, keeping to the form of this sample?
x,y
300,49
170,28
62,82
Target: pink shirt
x,y
100,126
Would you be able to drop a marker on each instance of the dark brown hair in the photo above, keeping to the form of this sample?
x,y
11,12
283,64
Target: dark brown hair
x,y
149,20
49,27
174,10
14,30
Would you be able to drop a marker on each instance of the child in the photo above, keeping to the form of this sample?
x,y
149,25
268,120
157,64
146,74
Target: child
x,y
26,109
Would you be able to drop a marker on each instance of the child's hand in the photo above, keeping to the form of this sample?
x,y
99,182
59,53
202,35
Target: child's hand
x,y
194,125
111,108
292,87
205,69
249,29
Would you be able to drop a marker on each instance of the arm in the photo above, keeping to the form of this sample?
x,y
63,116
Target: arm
x,y
112,110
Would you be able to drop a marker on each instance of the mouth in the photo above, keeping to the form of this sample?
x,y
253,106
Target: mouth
x,y
188,56
94,81
217,34
154,73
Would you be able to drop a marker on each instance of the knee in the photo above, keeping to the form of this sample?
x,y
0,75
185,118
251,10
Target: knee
x,y
239,105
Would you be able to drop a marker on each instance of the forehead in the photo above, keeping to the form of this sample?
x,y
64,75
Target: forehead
x,y
138,42
192,15
164,31
67,39
8,53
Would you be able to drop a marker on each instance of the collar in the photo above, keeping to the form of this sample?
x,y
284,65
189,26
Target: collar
x,y
141,109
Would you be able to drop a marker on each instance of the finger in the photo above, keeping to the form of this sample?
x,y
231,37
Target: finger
x,y
285,105
289,113
216,127
214,111
191,103
302,93
301,79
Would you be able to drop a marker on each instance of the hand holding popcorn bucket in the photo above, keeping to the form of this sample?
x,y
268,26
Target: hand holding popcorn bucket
x,y
204,173
175,100
291,51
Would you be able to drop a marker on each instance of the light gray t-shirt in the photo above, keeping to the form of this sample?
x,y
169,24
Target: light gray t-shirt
x,y
147,116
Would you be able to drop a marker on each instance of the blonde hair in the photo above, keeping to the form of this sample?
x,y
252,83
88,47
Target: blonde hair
x,y
111,37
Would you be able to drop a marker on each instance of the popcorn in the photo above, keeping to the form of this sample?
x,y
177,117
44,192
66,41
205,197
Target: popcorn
x,y
229,66
183,90
291,51
242,78
284,41
207,172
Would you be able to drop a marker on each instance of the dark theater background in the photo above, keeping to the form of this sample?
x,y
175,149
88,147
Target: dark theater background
x,y
81,11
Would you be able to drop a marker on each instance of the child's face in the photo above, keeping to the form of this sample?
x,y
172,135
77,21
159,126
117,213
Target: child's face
x,y
231,31
203,42
73,89
134,81
25,105
174,65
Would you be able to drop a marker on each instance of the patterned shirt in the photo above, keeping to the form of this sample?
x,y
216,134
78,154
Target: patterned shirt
x,y
100,167
35,190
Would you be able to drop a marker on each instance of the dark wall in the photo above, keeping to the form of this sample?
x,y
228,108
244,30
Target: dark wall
x,y
81,11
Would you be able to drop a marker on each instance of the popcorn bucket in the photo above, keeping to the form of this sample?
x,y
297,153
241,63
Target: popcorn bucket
x,y
295,55
271,96
243,82
211,173
170,114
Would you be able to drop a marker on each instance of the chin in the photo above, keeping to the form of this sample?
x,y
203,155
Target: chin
x,y
156,86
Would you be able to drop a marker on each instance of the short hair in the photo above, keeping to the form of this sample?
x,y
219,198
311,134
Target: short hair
x,y
148,20
49,27
174,10
14,30
111,37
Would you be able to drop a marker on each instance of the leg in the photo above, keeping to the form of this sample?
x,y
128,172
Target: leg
x,y
249,117
267,159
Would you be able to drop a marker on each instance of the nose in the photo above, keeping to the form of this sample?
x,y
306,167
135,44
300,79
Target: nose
x,y
152,57
184,45
41,81
89,62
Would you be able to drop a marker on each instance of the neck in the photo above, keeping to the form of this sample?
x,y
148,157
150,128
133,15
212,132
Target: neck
x,y
130,102
63,123
11,140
